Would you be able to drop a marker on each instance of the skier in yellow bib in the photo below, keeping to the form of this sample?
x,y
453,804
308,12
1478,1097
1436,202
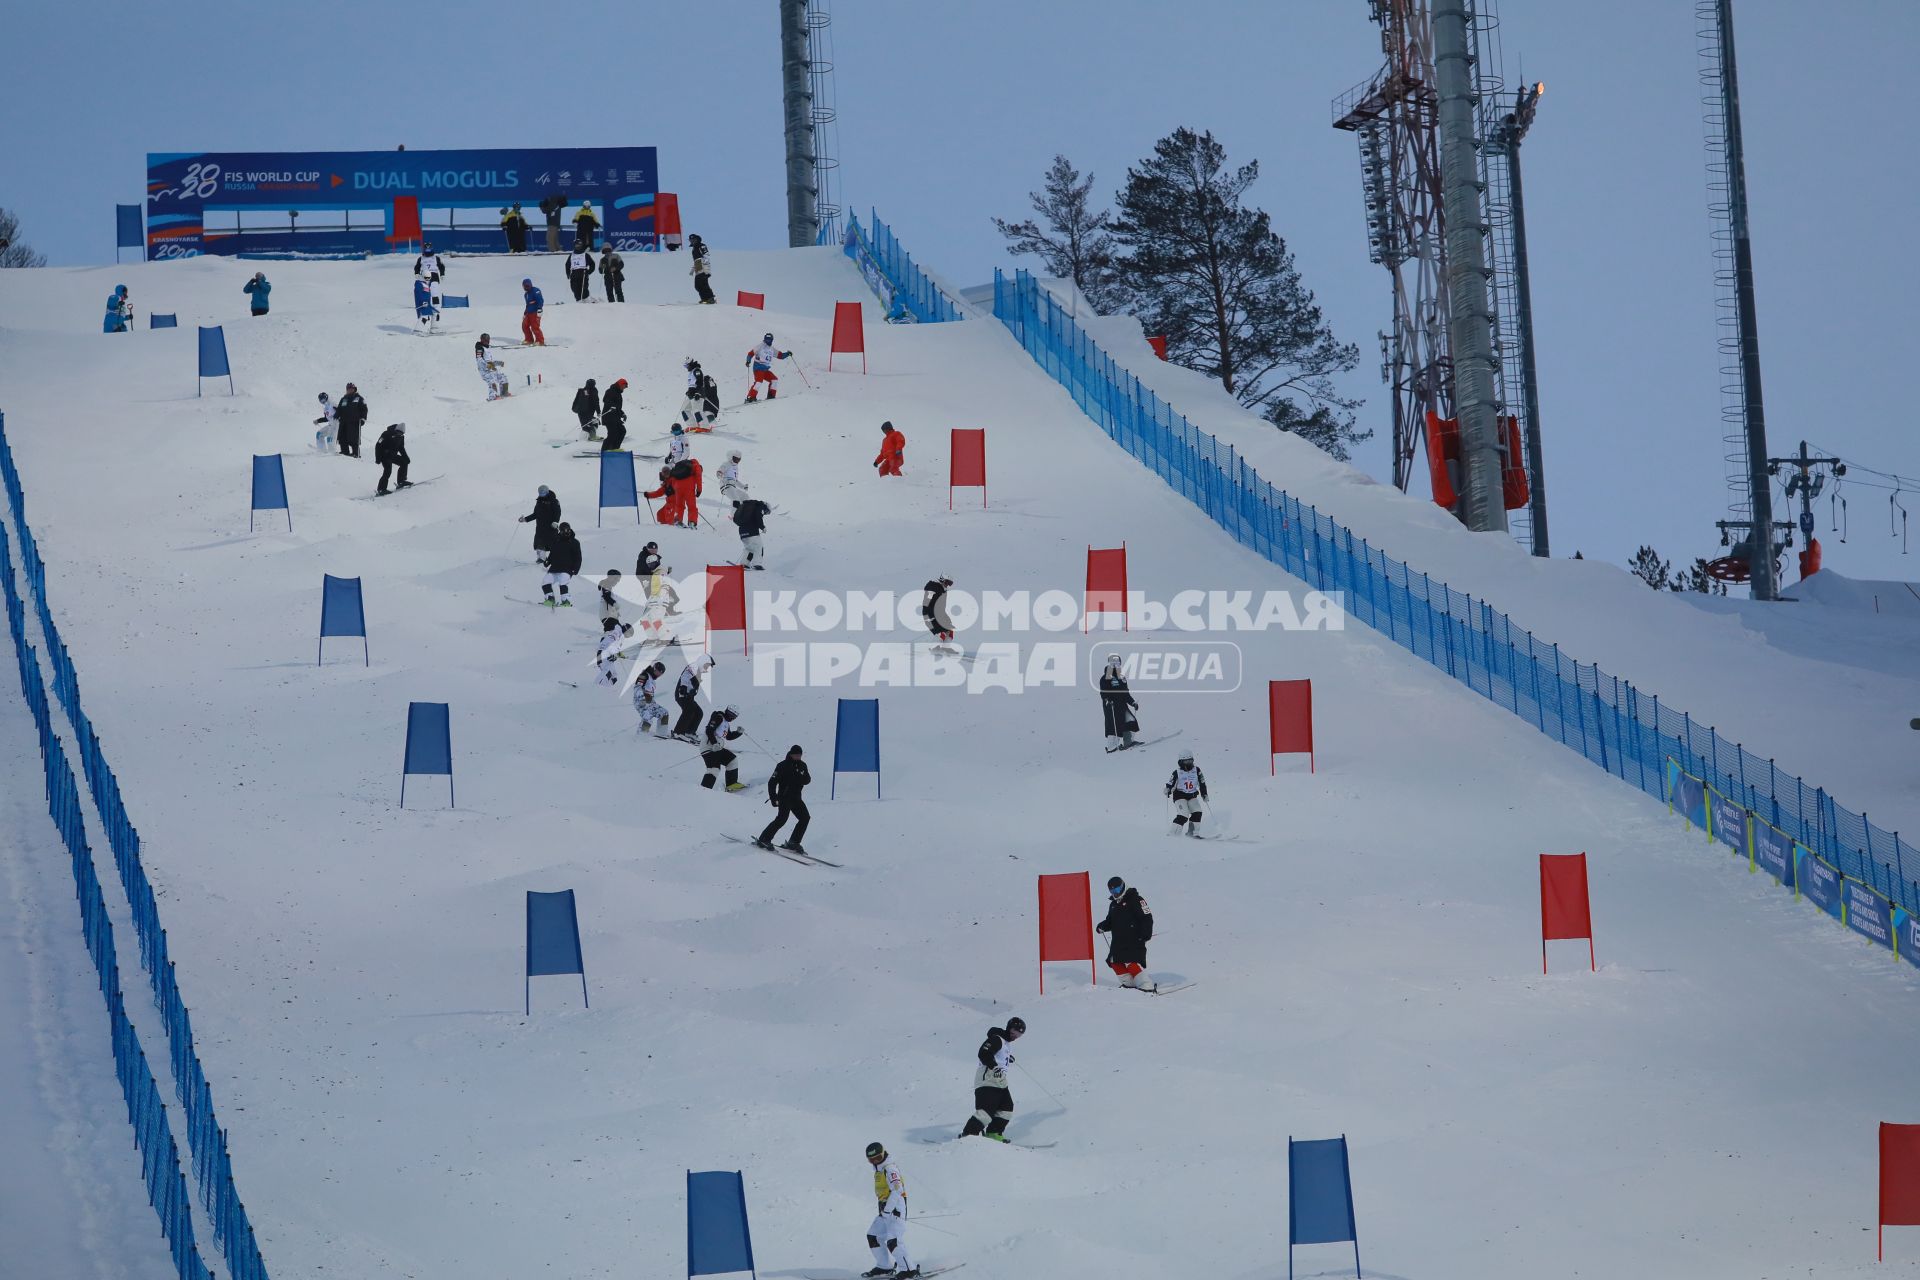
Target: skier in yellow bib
x,y
887,1236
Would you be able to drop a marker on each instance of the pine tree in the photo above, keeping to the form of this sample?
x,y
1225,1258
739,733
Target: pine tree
x,y
1647,566
1210,273
13,253
1698,579
1073,241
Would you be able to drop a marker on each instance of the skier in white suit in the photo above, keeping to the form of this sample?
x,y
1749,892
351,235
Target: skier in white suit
x,y
887,1237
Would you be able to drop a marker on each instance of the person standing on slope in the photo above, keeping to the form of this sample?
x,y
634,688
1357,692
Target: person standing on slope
x,y
686,696
1129,927
585,226
609,596
423,309
701,268
613,417
1187,788
390,451
429,263
613,274
530,331
562,563
1117,707
613,641
722,727
329,428
690,489
992,1100
119,311
750,518
893,450
933,608
544,516
646,700
887,1237
678,446
490,367
351,413
580,271
732,487
760,359
788,780
586,407
514,223
257,290
552,205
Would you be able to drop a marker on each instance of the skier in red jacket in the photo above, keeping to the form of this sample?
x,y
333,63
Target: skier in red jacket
x,y
669,512
893,450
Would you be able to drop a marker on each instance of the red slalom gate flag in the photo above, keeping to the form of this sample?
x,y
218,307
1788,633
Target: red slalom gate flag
x,y
727,601
1159,344
1066,921
968,465
1899,1180
406,219
849,337
1564,912
1106,586
758,301
1289,721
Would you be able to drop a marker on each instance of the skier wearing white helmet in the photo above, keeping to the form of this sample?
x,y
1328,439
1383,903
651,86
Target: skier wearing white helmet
x,y
1187,788
732,487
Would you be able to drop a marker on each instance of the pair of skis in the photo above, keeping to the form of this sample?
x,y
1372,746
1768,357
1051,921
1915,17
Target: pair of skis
x,y
804,859
369,497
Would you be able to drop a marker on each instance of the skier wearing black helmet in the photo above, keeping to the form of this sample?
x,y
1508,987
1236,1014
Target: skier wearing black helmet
x,y
760,359
1187,788
1117,707
1129,927
992,1100
933,607
887,1237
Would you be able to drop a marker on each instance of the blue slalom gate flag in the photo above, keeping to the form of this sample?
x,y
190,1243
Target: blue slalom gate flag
x,y
718,1241
129,232
269,488
162,320
213,357
429,745
617,487
856,741
553,940
342,613
449,301
1319,1196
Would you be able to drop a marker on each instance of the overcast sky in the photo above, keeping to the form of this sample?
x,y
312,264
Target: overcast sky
x,y
949,114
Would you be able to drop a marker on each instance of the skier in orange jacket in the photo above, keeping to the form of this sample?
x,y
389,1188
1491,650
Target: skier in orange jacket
x,y
893,450
669,512
690,490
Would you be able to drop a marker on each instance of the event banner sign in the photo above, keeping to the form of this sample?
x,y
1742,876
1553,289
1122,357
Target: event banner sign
x,y
1729,822
1773,852
1820,883
1869,914
228,202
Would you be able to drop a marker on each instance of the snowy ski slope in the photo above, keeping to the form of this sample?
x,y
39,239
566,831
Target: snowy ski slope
x,y
1366,949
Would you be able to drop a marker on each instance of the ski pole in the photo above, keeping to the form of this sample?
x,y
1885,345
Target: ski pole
x,y
756,742
1042,1088
799,369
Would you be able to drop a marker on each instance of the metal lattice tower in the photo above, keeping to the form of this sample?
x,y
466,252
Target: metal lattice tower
x,y
826,128
1742,408
796,104
1395,117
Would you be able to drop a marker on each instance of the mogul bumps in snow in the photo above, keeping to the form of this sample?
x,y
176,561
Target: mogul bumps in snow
x,y
722,727
1117,707
992,1100
760,360
1129,927
1187,788
887,1237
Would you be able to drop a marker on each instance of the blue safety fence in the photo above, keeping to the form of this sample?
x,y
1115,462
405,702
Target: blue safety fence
x,y
206,1141
152,1135
905,291
1614,725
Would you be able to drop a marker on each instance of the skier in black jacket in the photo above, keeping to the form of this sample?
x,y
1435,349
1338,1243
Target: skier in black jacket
x,y
563,561
933,608
349,416
789,778
545,514
750,518
992,1100
613,274
613,416
586,407
390,451
1129,927
1117,707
